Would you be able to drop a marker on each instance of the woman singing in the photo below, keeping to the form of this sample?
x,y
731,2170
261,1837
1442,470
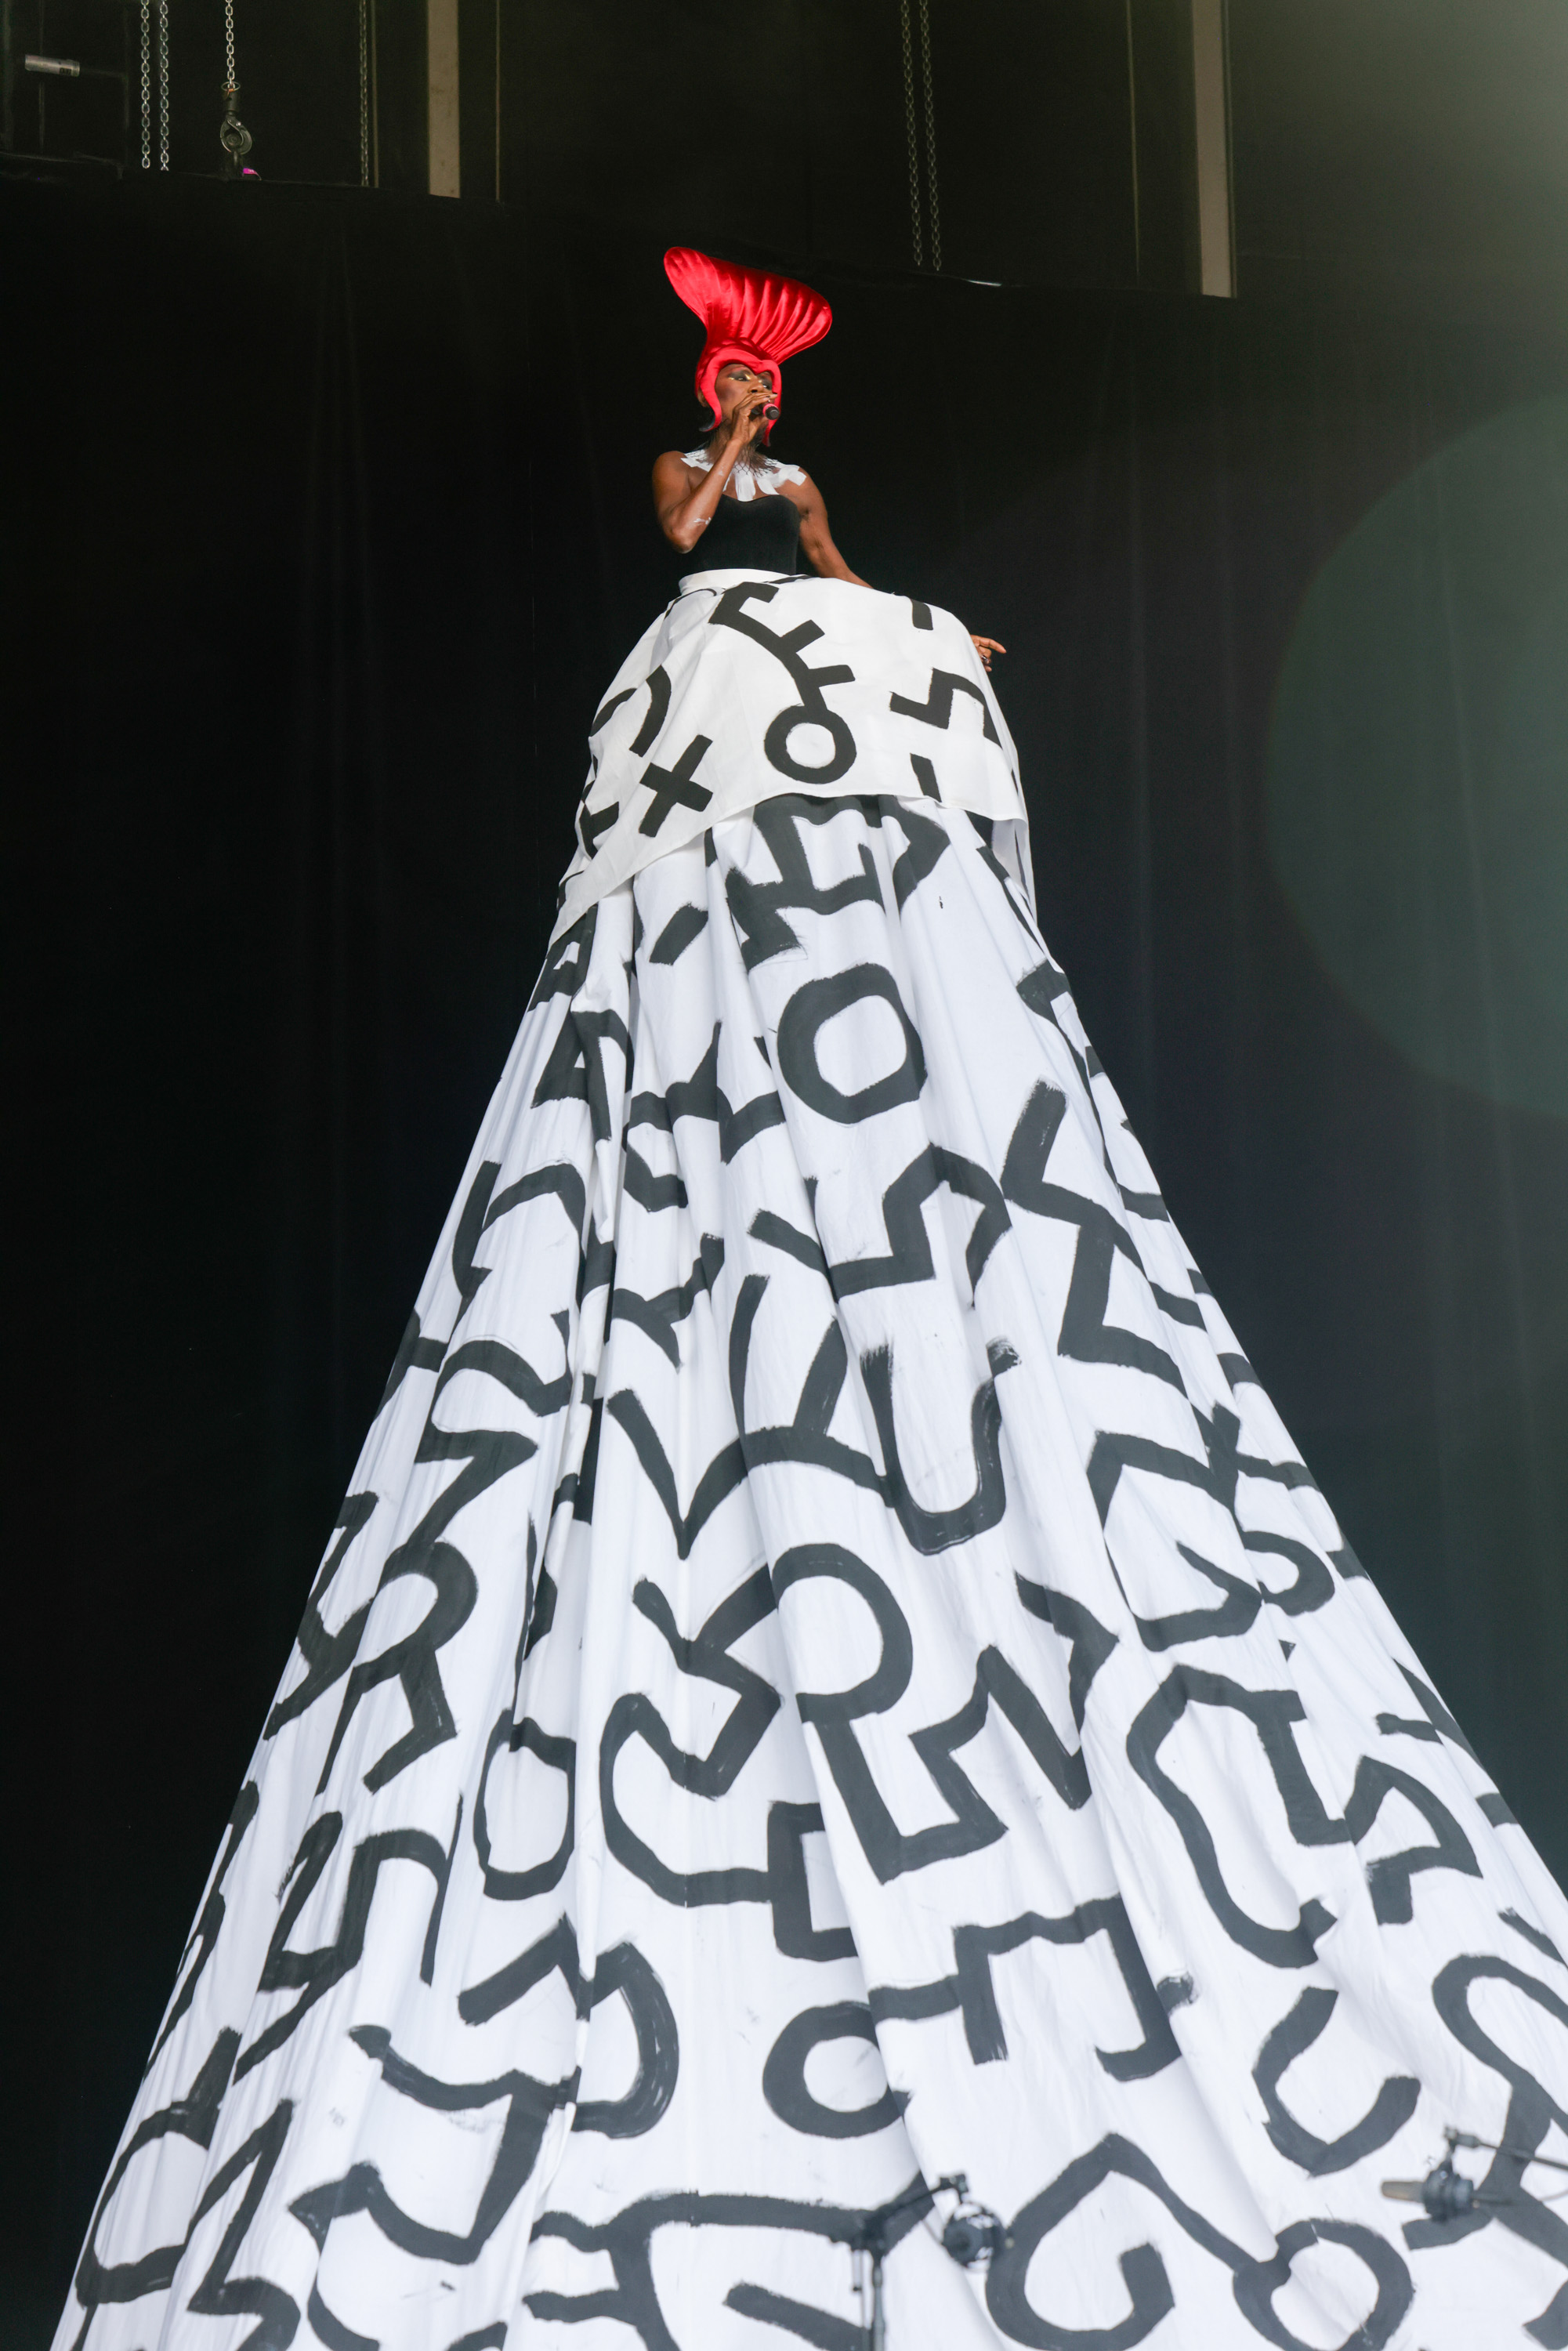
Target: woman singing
x,y
831,1675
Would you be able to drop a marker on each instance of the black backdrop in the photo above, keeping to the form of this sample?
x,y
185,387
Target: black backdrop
x,y
326,523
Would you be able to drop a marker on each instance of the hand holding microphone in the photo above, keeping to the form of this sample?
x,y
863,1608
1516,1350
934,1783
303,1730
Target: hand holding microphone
x,y
755,407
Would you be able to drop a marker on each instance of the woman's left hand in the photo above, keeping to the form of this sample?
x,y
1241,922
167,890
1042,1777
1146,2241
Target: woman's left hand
x,y
986,647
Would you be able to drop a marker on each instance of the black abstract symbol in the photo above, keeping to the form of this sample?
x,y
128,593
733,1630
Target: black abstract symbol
x,y
811,710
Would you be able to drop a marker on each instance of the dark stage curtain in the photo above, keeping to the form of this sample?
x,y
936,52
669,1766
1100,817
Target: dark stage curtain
x,y
327,522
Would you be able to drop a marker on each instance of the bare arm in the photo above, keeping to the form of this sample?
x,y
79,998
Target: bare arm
x,y
686,510
818,547
816,538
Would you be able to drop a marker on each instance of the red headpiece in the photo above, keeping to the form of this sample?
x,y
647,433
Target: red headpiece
x,y
749,315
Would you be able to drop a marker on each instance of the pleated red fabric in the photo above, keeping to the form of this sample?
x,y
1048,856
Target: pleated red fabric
x,y
749,314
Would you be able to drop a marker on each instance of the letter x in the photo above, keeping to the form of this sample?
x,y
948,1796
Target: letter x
x,y
669,785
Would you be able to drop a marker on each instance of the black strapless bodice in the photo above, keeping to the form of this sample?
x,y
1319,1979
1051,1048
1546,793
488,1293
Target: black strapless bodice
x,y
763,535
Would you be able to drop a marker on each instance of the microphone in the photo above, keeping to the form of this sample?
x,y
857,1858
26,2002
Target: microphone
x,y
771,412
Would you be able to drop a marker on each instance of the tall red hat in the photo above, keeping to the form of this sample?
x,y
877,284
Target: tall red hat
x,y
749,315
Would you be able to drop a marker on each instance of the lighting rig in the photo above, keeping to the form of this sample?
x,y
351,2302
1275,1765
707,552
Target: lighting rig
x,y
1448,2195
971,2233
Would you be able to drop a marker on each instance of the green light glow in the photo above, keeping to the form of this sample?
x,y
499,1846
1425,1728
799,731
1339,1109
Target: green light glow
x,y
1417,789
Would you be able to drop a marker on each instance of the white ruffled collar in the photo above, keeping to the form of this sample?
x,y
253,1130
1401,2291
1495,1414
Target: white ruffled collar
x,y
749,484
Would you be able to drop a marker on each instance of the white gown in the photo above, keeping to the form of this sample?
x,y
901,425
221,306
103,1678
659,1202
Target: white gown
x,y
832,1673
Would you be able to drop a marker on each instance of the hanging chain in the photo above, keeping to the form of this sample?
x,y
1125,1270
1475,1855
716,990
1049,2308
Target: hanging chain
x,y
912,132
364,93
232,137
930,132
147,85
162,85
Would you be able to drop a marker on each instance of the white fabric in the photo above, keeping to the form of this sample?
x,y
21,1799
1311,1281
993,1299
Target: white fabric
x,y
750,481
748,684
831,1669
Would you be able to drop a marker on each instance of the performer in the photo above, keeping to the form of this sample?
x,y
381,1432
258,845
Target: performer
x,y
831,1673
734,465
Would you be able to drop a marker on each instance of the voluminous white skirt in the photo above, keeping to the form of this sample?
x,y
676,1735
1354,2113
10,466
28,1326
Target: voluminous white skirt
x,y
831,1673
